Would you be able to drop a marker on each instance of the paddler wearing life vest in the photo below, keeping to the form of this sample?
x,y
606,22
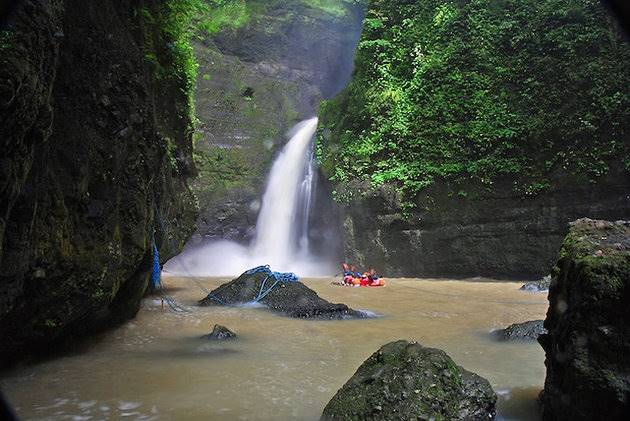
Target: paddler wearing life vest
x,y
366,279
373,278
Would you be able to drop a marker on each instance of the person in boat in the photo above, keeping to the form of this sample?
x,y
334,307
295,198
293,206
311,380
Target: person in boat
x,y
348,274
374,279
345,268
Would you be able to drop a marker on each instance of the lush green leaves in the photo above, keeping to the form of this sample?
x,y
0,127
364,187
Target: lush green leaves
x,y
479,91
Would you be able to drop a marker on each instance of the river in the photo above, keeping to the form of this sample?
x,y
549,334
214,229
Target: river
x,y
156,367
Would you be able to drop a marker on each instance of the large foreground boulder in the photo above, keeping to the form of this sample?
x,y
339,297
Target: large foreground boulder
x,y
406,381
588,344
292,299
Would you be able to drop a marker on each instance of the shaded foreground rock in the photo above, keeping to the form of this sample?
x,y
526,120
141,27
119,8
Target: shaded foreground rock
x,y
538,286
292,299
220,333
404,380
588,344
522,331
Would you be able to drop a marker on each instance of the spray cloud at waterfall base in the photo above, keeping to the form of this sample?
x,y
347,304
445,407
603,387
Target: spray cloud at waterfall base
x,y
282,228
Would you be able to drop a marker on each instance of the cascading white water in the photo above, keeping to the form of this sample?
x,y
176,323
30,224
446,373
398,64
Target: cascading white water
x,y
307,190
282,228
275,240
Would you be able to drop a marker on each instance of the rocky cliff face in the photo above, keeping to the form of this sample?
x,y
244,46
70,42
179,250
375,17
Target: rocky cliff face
x,y
256,80
588,320
499,234
471,134
96,154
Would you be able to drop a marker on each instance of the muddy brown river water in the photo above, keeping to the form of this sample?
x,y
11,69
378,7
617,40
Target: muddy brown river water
x,y
156,367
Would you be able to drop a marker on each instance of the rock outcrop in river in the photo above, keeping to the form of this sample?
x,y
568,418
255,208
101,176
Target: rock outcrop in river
x,y
293,299
530,330
588,344
406,381
219,333
95,158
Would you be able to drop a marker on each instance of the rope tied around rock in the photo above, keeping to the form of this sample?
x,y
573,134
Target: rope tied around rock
x,y
278,277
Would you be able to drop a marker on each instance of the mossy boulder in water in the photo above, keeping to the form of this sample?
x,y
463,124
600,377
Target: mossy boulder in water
x,y
292,299
530,330
220,333
404,380
588,344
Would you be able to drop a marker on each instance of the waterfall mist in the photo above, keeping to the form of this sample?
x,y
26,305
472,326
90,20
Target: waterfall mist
x,y
282,228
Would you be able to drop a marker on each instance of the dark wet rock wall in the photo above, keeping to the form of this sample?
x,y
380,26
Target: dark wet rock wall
x,y
587,346
96,157
500,234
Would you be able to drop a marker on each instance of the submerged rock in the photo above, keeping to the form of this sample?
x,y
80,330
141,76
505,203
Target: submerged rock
x,y
588,345
519,331
538,286
404,380
220,333
292,299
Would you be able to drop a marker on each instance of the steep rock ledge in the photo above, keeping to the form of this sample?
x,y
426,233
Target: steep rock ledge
x,y
96,156
588,345
496,234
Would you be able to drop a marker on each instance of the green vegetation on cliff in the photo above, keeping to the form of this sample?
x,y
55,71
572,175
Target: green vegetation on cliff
x,y
233,14
171,52
263,66
470,93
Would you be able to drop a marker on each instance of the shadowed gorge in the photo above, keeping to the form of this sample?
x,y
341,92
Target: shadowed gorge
x,y
262,71
314,209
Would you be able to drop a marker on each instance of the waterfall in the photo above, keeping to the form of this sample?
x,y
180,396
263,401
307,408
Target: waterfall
x,y
307,190
282,227
290,182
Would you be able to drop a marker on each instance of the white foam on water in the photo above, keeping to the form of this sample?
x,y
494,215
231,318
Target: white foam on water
x,y
369,314
281,239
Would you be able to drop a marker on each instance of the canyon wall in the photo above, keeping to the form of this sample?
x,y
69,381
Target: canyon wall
x,y
262,71
471,134
96,134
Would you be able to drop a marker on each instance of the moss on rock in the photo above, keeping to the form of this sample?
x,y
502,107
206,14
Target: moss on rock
x,y
588,321
404,381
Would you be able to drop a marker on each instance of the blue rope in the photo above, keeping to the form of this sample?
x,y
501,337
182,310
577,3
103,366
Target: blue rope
x,y
156,272
263,292
277,276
